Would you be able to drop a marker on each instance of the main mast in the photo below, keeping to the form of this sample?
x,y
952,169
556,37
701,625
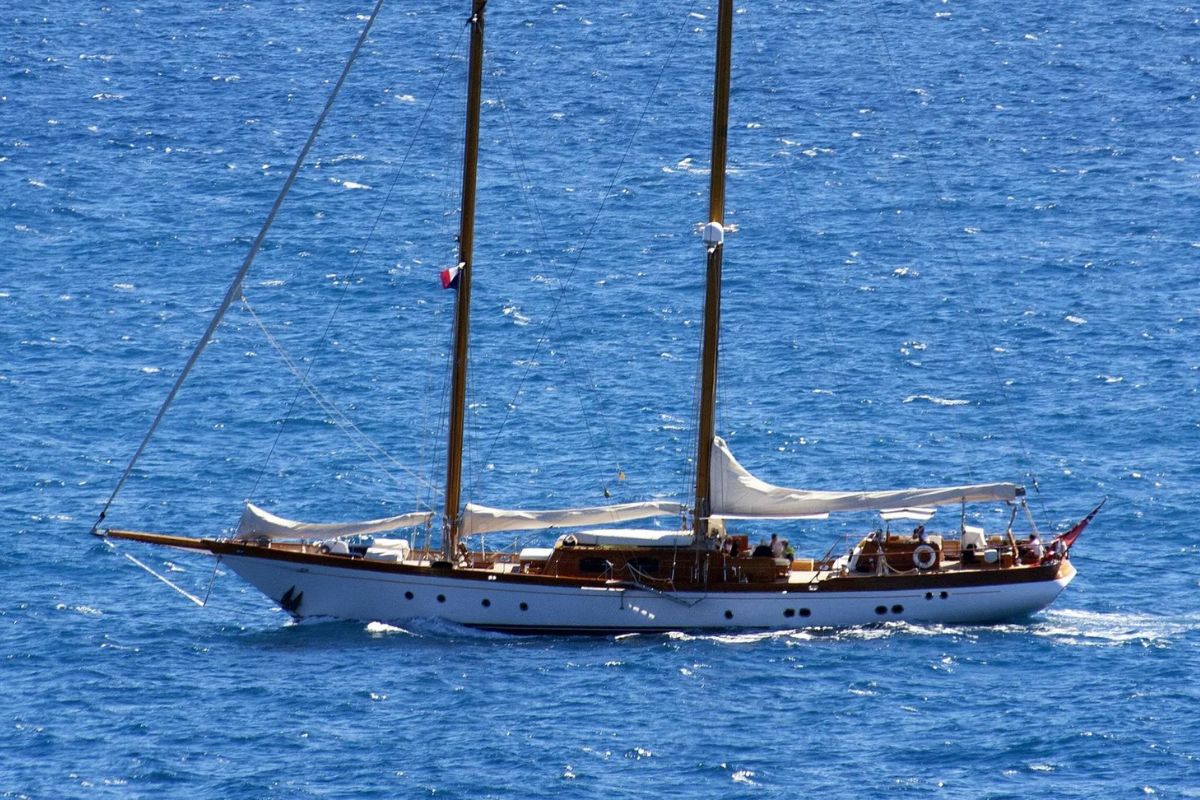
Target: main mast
x,y
714,239
451,519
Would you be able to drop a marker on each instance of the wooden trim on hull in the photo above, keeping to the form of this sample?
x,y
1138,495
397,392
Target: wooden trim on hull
x,y
949,579
931,580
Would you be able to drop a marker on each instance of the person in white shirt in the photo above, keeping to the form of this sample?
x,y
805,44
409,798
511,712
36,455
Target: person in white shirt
x,y
776,546
1033,548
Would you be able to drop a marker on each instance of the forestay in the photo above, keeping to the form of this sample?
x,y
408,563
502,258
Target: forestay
x,y
481,519
256,523
736,493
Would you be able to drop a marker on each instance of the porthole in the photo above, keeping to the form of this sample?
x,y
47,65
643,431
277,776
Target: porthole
x,y
929,595
487,603
897,609
408,595
881,610
728,615
944,595
524,606
441,598
806,612
789,612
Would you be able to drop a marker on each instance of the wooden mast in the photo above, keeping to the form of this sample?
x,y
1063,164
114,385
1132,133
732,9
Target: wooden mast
x,y
452,519
714,237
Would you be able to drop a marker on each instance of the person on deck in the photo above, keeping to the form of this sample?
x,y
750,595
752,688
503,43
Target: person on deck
x,y
920,536
763,550
1032,549
776,546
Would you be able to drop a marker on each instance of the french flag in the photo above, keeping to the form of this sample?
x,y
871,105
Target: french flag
x,y
450,277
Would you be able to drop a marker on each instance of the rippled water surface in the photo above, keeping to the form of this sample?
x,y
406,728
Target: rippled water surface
x,y
965,249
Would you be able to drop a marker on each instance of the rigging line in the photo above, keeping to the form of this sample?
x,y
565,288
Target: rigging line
x,y
825,310
234,290
822,305
535,212
360,253
690,458
212,580
442,432
541,339
426,438
168,582
424,458
363,442
957,260
692,465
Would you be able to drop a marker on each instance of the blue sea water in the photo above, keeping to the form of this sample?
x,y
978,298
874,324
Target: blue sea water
x,y
965,249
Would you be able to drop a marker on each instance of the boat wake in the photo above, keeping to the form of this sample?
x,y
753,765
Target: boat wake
x,y
434,628
380,629
1112,629
1067,627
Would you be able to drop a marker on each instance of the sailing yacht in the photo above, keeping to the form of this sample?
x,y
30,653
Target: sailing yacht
x,y
598,578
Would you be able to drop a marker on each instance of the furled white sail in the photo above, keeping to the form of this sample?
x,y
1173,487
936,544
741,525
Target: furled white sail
x,y
256,523
737,493
481,519
918,514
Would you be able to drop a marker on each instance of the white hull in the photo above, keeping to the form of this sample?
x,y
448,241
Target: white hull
x,y
323,590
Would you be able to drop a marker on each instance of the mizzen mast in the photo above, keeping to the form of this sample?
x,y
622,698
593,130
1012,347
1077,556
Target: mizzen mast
x,y
452,517
714,238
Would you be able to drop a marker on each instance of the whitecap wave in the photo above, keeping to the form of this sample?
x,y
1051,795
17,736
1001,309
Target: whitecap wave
x,y
937,401
86,611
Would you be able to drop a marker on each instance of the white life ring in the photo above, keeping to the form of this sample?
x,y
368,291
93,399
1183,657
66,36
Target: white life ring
x,y
924,556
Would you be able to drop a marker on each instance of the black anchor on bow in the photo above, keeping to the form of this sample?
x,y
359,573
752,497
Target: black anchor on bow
x,y
290,602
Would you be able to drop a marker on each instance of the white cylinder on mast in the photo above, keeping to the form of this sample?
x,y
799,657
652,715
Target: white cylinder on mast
x,y
714,234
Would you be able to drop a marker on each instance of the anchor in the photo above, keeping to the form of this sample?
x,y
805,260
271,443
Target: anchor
x,y
290,602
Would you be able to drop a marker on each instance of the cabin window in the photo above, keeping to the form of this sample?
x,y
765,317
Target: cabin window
x,y
881,610
806,612
789,612
487,603
594,566
728,615
441,598
929,595
897,609
944,595
408,595
645,564
524,606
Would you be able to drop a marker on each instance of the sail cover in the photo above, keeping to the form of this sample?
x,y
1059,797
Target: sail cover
x,y
255,523
481,519
734,493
